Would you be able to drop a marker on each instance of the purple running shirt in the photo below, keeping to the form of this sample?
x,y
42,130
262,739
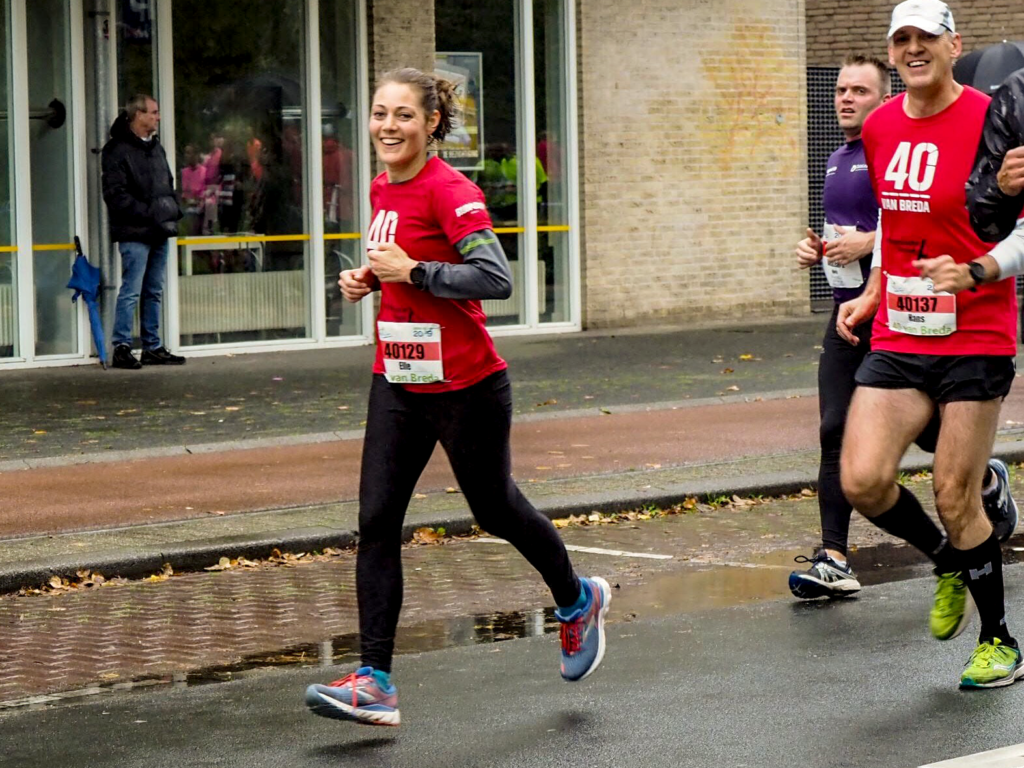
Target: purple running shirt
x,y
849,200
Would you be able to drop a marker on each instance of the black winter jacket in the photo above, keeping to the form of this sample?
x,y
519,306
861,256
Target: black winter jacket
x,y
994,214
138,187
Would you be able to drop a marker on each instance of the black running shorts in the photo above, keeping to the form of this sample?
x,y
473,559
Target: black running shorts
x,y
944,378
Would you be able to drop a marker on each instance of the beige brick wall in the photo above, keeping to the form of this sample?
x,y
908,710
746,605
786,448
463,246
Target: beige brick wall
x,y
837,27
401,35
693,167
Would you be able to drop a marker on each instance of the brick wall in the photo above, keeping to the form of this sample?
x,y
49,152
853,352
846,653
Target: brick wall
x,y
692,159
401,35
836,27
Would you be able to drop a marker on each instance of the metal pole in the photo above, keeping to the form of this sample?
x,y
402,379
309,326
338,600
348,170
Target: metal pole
x,y
102,117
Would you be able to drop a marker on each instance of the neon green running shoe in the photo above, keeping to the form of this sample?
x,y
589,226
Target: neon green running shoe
x,y
992,665
953,606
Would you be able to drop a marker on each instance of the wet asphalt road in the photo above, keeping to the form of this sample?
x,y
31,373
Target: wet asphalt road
x,y
762,685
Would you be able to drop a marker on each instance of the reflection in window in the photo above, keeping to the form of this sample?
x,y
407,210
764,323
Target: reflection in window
x,y
340,124
135,49
240,132
550,105
8,265
488,91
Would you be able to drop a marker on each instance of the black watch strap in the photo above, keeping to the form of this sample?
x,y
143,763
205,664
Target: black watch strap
x,y
417,275
977,270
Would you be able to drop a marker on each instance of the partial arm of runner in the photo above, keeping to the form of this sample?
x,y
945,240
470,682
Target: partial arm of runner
x,y
861,309
483,274
357,283
1005,260
994,196
876,252
852,245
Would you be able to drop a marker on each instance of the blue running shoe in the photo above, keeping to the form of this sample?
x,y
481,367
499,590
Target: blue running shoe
x,y
999,504
582,631
358,696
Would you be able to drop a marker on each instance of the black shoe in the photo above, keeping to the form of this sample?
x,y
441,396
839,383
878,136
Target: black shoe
x,y
825,578
123,358
160,356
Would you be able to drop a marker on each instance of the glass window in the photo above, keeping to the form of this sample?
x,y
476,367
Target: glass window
x,y
240,131
8,254
341,124
134,49
48,30
553,244
485,146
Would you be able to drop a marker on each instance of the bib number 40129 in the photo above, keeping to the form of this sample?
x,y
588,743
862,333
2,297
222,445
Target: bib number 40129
x,y
913,166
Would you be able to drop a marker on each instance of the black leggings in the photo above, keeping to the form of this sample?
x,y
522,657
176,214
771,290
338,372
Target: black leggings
x,y
472,426
836,371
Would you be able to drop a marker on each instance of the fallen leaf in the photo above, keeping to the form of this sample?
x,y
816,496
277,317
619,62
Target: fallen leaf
x,y
450,489
727,370
733,388
419,495
222,565
426,536
746,357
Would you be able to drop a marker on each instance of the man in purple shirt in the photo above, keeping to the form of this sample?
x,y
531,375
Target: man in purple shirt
x,y
848,237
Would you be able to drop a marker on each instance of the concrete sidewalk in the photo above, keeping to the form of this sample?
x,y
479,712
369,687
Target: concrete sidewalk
x,y
603,422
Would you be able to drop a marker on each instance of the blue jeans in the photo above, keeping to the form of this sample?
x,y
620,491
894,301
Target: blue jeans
x,y
143,269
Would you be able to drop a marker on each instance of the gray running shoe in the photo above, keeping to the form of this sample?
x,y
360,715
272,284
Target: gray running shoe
x,y
999,504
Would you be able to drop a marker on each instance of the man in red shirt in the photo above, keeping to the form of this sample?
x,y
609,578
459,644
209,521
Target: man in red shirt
x,y
930,349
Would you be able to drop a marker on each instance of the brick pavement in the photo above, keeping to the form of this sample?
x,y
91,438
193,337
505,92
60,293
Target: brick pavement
x,y
192,625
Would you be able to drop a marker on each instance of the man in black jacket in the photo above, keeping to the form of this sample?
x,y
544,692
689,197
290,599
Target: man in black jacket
x,y
994,191
138,188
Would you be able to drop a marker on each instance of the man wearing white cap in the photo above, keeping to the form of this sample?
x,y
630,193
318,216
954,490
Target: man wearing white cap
x,y
931,349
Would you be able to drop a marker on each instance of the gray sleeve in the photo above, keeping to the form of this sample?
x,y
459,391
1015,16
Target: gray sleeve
x,y
483,274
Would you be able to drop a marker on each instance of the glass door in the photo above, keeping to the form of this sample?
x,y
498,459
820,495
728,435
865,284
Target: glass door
x,y
48,27
8,247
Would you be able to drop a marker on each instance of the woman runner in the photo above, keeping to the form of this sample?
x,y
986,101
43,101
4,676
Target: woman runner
x,y
433,255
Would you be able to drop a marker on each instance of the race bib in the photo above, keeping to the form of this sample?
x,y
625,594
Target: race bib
x,y
412,352
845,276
915,308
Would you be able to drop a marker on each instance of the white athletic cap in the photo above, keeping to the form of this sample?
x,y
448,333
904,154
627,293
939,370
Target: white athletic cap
x,y
932,16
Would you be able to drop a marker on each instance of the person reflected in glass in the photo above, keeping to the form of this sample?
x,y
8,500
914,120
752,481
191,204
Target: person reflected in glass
x,y
193,190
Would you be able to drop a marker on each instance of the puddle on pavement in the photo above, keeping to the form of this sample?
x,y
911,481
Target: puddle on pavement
x,y
695,586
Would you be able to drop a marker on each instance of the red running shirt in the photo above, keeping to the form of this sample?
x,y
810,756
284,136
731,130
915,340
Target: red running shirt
x,y
918,169
426,216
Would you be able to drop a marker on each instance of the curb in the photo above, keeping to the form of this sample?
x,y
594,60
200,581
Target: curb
x,y
196,555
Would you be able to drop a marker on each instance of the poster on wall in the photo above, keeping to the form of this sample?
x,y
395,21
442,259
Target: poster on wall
x,y
463,148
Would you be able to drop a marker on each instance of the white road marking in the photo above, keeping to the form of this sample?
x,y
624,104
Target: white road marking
x,y
1007,757
592,550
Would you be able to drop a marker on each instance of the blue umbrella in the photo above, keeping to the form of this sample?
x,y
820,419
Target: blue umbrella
x,y
85,282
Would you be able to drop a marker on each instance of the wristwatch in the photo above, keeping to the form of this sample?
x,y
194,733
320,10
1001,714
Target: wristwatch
x,y
977,270
417,275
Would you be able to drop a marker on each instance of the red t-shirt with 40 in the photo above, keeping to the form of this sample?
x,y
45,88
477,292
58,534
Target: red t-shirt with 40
x,y
918,170
426,216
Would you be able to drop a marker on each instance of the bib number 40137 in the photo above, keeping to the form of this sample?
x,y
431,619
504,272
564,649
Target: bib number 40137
x,y
913,166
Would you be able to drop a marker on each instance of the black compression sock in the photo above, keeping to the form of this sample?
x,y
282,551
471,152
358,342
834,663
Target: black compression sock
x,y
983,572
907,520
